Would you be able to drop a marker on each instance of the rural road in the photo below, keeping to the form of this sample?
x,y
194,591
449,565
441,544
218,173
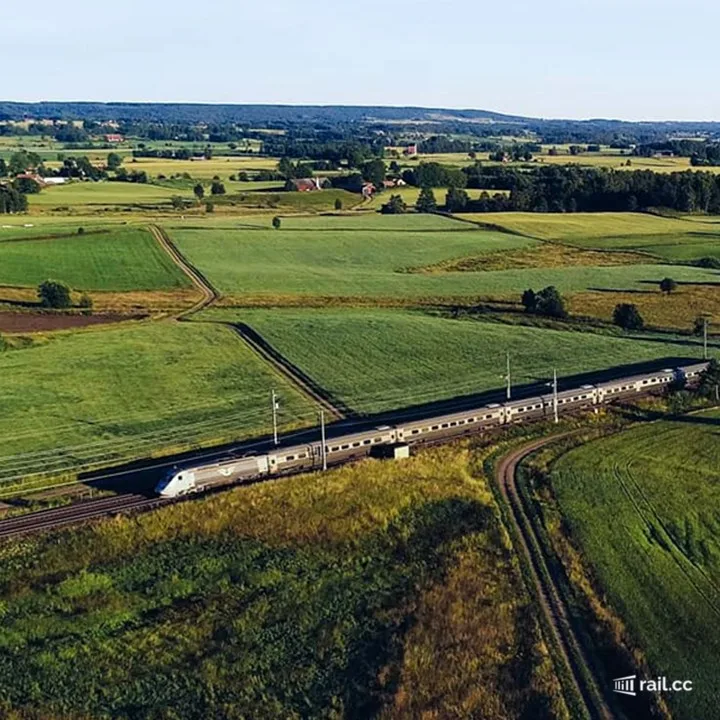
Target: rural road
x,y
543,586
208,292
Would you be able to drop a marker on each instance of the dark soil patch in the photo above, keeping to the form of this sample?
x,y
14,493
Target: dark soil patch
x,y
22,322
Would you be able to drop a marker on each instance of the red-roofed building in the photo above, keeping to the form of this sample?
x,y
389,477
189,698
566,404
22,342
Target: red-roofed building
x,y
114,138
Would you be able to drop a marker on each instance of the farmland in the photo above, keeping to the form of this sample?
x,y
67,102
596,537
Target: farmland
x,y
121,259
363,263
381,359
102,396
93,196
375,590
643,507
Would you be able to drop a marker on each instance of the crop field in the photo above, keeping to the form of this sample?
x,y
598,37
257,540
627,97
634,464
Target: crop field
x,y
290,262
376,590
578,227
382,359
94,195
104,396
374,221
202,169
676,247
643,507
338,263
122,259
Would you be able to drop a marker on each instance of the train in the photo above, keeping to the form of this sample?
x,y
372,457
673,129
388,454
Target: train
x,y
181,481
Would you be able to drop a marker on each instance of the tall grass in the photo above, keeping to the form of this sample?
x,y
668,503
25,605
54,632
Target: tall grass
x,y
373,590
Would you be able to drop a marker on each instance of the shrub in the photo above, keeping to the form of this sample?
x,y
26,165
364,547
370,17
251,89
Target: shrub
x,y
668,285
81,231
54,294
628,317
394,206
276,222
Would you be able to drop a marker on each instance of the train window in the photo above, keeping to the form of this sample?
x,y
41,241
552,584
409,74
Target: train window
x,y
644,382
366,442
344,447
472,420
444,425
415,431
434,427
334,449
452,424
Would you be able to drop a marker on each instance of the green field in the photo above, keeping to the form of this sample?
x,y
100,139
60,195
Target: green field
x,y
375,221
376,590
120,260
381,359
339,263
644,507
370,264
108,395
580,226
95,195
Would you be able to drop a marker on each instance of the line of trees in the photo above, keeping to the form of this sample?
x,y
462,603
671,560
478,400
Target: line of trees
x,y
575,189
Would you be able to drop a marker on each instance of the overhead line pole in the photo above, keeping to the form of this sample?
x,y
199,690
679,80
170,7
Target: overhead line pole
x,y
274,417
705,326
322,440
555,395
507,377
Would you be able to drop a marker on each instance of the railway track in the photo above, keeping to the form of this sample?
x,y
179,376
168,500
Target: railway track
x,y
549,596
208,293
72,514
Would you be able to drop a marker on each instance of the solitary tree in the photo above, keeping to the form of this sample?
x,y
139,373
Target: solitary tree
x,y
668,285
426,202
209,207
276,222
53,294
114,161
217,188
199,191
628,317
338,204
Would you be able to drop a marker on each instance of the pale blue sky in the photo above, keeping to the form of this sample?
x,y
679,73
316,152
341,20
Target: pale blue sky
x,y
630,59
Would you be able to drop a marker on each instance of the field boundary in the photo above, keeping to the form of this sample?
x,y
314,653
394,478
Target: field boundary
x,y
296,377
208,292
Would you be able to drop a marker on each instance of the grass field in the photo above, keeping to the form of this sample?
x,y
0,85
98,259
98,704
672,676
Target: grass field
x,y
104,396
96,195
381,359
123,259
644,508
377,590
361,263
340,263
576,227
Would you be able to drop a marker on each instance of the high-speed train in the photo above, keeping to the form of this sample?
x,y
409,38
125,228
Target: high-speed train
x,y
192,479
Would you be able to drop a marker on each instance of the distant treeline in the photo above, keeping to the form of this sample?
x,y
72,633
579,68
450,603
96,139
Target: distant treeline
x,y
700,152
222,123
575,189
